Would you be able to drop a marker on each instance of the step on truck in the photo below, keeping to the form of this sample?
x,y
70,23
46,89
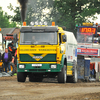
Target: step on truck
x,y
46,51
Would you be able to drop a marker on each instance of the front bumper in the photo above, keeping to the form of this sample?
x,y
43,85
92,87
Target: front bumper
x,y
42,68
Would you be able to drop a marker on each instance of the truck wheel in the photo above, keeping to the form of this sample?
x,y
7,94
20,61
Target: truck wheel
x,y
21,76
74,78
13,68
62,75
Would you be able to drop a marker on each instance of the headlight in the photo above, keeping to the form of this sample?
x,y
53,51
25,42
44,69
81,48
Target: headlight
x,y
53,66
21,66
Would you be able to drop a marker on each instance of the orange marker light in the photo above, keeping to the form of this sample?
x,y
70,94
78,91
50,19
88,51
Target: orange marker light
x,y
24,23
0,29
53,23
96,24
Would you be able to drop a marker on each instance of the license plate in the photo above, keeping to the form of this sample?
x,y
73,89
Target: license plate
x,y
36,64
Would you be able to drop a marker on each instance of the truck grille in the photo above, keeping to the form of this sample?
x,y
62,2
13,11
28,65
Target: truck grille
x,y
47,58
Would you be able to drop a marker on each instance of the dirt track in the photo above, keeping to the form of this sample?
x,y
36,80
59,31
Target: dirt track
x,y
10,89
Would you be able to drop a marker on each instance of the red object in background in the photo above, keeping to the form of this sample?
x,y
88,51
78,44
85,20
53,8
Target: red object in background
x,y
15,52
87,51
87,30
8,37
92,66
12,60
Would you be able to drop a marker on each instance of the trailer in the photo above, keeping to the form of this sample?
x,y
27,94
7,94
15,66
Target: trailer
x,y
88,51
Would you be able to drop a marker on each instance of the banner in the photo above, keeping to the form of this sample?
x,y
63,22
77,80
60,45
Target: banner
x,y
87,51
84,45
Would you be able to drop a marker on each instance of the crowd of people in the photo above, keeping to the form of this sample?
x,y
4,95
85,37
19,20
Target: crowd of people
x,y
6,57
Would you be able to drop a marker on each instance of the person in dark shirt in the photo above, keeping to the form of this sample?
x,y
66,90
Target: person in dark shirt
x,y
6,59
11,48
85,39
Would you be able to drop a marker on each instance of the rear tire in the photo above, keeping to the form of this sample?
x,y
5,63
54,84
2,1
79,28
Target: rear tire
x,y
74,78
13,68
62,75
21,76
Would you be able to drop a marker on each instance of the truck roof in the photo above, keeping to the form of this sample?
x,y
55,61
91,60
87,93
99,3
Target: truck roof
x,y
39,28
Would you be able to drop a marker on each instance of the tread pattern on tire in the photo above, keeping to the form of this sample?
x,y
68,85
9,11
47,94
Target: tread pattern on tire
x,y
61,75
71,79
21,77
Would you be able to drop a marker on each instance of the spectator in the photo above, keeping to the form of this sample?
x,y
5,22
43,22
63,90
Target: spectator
x,y
33,39
6,58
11,48
85,39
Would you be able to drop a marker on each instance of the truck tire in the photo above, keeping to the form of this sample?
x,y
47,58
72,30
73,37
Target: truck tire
x,y
13,68
74,77
21,76
62,75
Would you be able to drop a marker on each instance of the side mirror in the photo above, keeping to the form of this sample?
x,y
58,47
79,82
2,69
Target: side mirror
x,y
64,38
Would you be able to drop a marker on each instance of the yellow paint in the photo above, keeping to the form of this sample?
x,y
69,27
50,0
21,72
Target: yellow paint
x,y
26,49
87,24
1,64
38,62
69,70
43,50
11,68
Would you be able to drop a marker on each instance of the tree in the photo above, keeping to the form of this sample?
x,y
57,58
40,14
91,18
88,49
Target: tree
x,y
34,11
64,12
70,12
39,10
17,17
4,21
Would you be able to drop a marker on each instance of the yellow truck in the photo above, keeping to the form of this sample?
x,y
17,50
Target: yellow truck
x,y
46,51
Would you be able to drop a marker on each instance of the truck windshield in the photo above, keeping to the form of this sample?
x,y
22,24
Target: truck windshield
x,y
38,38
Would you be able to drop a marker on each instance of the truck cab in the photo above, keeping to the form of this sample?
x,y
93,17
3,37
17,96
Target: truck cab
x,y
41,53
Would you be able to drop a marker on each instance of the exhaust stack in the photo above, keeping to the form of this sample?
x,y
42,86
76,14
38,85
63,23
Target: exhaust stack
x,y
23,8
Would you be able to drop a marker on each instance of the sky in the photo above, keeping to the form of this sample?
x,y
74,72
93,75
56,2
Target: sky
x,y
5,3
